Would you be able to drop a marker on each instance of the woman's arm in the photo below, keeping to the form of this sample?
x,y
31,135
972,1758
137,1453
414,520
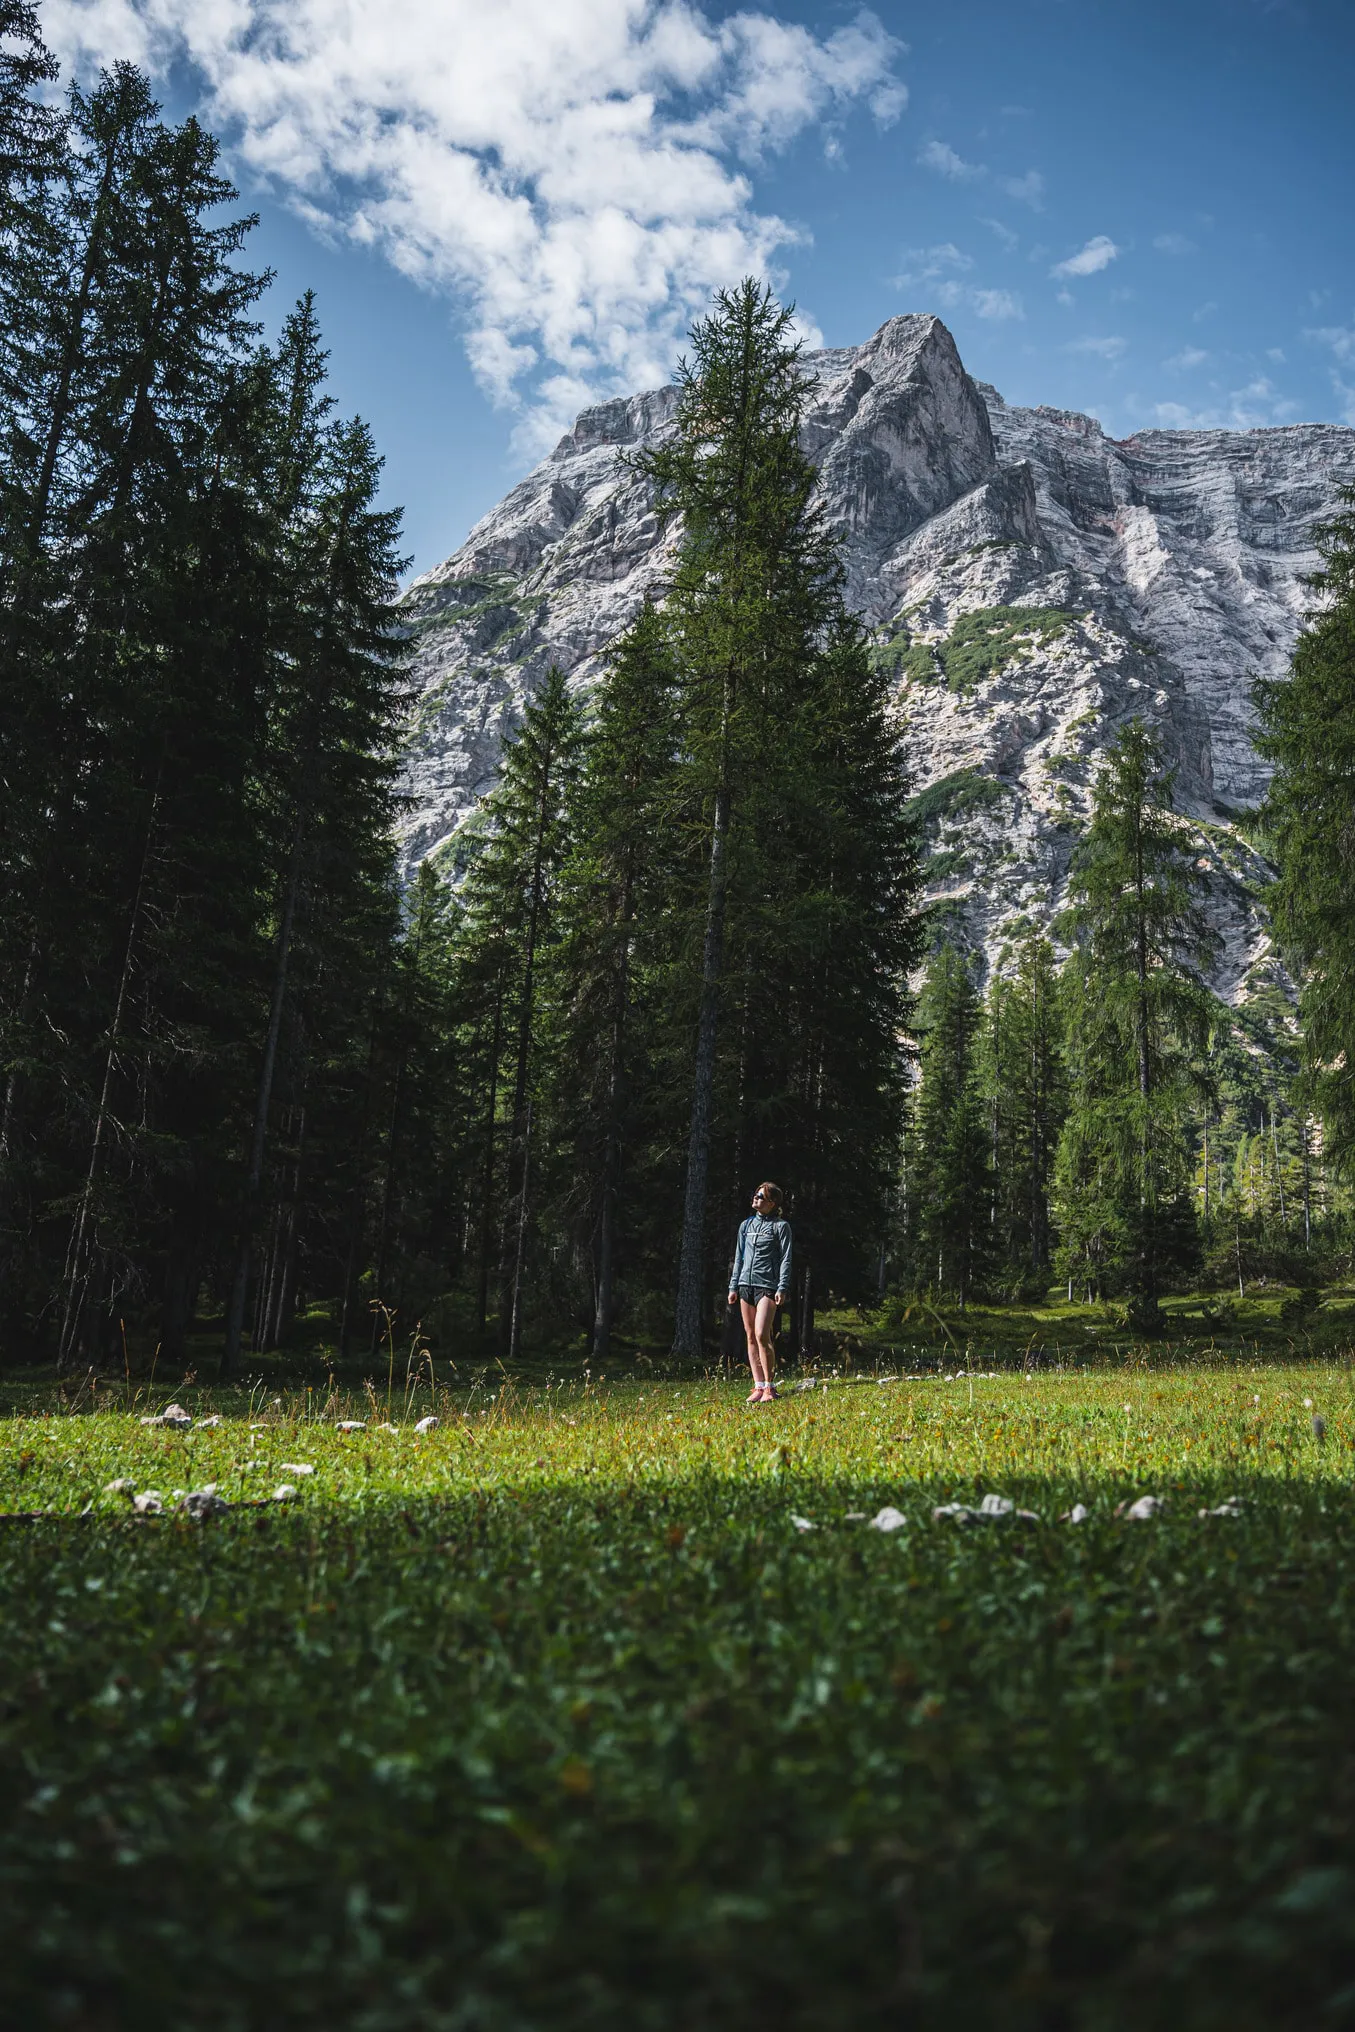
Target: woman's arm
x,y
737,1272
783,1276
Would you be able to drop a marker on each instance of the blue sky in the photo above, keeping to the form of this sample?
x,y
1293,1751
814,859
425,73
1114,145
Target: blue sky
x,y
510,207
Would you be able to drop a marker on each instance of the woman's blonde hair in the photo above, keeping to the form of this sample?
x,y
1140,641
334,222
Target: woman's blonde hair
x,y
773,1193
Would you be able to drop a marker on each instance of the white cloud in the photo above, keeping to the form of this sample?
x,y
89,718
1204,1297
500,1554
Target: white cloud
x,y
937,271
1028,188
997,304
941,157
1258,406
1104,349
565,171
1189,356
1089,260
1174,243
925,264
1341,339
1011,241
947,162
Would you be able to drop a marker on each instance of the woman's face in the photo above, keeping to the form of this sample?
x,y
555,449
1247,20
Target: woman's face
x,y
763,1204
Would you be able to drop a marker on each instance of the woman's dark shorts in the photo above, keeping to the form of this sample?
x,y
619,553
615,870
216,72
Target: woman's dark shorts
x,y
751,1293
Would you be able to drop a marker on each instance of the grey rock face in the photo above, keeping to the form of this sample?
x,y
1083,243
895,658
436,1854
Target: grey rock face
x,y
1168,567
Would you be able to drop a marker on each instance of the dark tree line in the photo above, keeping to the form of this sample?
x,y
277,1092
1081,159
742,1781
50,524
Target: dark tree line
x,y
199,683
244,1079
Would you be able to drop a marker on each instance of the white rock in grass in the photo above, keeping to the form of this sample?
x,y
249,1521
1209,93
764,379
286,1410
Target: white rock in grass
x,y
853,1516
1231,1506
388,1428
204,1424
428,1424
148,1504
1077,1515
351,1425
996,1506
175,1415
284,1492
296,1467
1139,1512
809,1384
961,1513
803,1524
153,1419
204,1502
123,1486
888,1519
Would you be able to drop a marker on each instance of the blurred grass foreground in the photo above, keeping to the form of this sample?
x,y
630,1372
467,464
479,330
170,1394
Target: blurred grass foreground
x,y
627,1706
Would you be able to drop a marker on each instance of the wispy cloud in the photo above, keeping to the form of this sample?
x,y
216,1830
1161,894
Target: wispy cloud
x,y
946,161
998,305
1189,356
1104,349
926,264
1341,339
938,271
940,156
1098,253
1256,406
1010,240
1174,243
1028,188
567,172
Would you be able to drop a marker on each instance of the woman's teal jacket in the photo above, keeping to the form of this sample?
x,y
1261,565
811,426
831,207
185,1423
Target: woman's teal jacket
x,y
762,1257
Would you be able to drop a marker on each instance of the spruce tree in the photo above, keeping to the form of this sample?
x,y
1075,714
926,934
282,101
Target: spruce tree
x,y
615,887
1138,1018
757,579
1308,730
516,845
1023,1079
952,1171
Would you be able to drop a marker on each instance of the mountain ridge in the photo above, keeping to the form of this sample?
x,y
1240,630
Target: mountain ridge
x,y
1164,573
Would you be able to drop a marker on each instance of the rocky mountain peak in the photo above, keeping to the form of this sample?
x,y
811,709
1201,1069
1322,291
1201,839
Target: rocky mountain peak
x,y
1031,584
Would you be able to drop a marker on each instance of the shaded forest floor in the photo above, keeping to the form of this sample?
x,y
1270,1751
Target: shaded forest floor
x,y
625,1705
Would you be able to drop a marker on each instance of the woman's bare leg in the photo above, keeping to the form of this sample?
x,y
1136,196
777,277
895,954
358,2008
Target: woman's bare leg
x,y
765,1329
750,1318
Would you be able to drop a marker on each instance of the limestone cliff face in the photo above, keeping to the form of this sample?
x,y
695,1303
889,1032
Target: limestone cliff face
x,y
1031,583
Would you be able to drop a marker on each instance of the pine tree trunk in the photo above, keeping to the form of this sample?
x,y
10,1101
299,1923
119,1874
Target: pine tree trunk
x,y
691,1262
235,1316
75,1255
355,1218
611,1156
487,1175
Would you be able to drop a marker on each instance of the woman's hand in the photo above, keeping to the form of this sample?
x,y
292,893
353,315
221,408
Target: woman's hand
x,y
779,1299
733,1297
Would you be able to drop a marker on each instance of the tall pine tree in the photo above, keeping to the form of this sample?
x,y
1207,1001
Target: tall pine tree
x,y
1138,1016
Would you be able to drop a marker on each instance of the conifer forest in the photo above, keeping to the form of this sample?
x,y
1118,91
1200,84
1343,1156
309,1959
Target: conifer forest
x,y
255,1095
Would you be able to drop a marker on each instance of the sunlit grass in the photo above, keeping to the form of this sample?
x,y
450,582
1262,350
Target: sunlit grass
x,y
555,1714
1099,1432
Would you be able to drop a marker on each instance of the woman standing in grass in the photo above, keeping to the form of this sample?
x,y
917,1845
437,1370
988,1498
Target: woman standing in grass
x,y
759,1282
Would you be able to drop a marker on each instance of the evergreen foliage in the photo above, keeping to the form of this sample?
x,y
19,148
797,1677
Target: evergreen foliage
x,y
1138,1019
199,687
1308,729
1024,1085
952,1176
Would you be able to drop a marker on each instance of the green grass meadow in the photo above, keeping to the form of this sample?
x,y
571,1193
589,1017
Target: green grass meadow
x,y
608,1705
